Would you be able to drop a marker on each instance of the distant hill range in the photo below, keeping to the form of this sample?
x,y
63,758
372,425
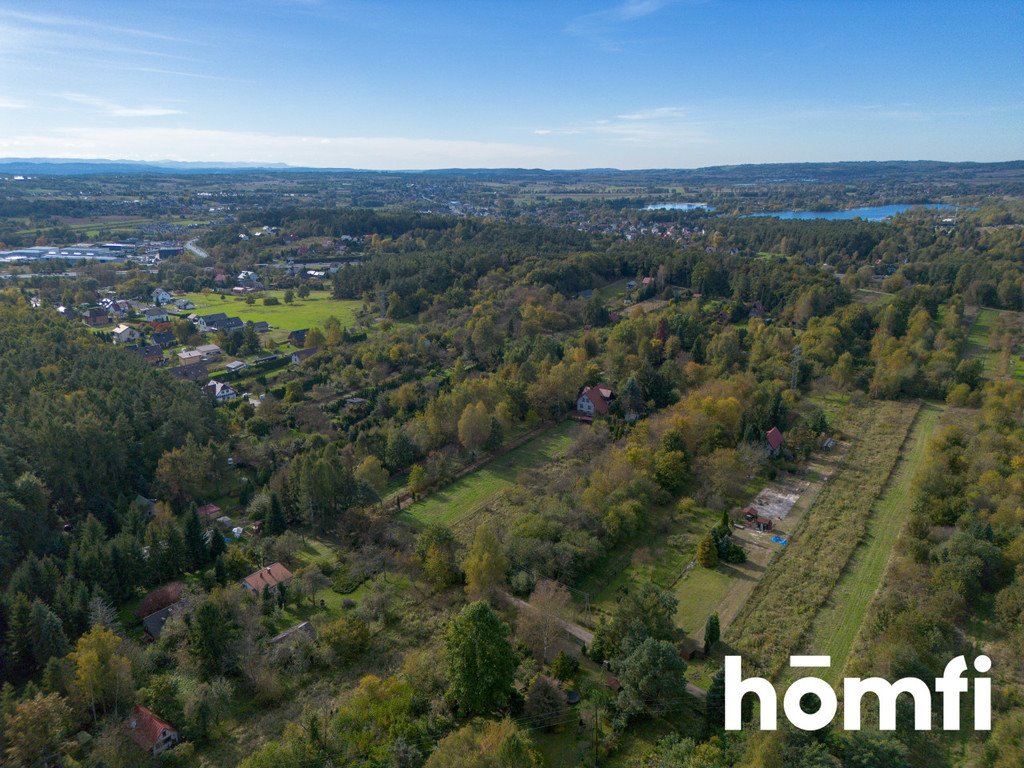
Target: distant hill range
x,y
769,173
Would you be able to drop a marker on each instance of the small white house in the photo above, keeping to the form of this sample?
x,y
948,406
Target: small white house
x,y
221,391
123,334
160,297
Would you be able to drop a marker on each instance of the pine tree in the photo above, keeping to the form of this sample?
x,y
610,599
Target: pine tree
x,y
275,523
21,659
47,633
712,633
196,551
217,545
480,660
714,705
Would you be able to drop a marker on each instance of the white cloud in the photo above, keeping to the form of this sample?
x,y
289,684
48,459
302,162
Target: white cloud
x,y
661,125
112,109
71,23
602,27
390,153
10,104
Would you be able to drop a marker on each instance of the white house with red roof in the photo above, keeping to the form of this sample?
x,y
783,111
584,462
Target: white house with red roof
x,y
595,401
150,732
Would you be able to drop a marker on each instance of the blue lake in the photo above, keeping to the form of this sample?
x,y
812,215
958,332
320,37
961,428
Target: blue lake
x,y
870,213
678,207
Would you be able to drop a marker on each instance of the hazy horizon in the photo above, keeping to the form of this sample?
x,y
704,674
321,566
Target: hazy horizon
x,y
632,84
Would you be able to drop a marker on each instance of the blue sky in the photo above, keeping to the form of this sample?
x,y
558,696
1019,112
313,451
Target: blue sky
x,y
630,84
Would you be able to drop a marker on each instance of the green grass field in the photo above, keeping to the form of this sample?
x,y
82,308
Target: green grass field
x,y
977,341
302,313
466,495
783,607
836,626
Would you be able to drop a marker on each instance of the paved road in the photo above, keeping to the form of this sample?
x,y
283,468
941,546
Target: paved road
x,y
585,636
191,246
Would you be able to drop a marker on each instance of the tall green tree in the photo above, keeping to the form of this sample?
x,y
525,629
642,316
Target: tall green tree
x,y
480,660
196,551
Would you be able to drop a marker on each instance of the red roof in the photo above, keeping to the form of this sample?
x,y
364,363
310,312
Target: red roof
x,y
145,728
270,576
208,510
159,599
774,438
599,395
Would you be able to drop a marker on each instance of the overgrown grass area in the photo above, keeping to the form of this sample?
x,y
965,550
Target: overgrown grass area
x,y
646,557
977,341
455,502
838,622
301,313
783,607
1001,356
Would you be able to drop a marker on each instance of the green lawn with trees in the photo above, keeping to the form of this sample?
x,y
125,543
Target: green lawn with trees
x,y
468,494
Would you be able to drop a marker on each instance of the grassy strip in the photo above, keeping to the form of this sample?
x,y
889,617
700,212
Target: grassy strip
x,y
837,623
783,607
977,340
454,502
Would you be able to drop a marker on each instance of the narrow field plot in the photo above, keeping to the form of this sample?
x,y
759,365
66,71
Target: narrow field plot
x,y
838,622
800,579
455,502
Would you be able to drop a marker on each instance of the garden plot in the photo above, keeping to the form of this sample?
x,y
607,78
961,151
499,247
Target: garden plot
x,y
776,500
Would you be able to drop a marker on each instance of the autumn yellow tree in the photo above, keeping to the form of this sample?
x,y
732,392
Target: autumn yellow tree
x,y
485,565
36,730
474,426
103,677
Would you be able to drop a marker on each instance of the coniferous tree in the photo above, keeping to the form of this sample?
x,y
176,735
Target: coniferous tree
x,y
712,632
48,638
20,656
275,523
480,660
217,545
196,550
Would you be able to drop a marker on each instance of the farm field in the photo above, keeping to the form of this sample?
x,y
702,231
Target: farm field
x,y
455,502
783,607
301,313
838,622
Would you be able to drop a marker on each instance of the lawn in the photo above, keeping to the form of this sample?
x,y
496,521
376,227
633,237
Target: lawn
x,y
301,313
783,607
838,622
468,494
